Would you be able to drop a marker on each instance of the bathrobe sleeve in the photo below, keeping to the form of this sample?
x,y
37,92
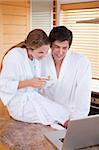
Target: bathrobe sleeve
x,y
8,78
82,97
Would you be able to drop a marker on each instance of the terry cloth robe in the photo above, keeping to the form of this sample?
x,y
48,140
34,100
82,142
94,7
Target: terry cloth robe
x,y
26,104
73,87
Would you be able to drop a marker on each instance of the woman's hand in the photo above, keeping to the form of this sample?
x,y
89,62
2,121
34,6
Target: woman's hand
x,y
34,82
37,82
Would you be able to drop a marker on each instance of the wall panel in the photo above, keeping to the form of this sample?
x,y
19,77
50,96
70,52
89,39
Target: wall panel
x,y
14,23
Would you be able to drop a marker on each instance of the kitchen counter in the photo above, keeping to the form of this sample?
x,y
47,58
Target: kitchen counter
x,y
26,136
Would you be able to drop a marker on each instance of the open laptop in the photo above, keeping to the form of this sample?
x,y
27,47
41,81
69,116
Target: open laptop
x,y
80,133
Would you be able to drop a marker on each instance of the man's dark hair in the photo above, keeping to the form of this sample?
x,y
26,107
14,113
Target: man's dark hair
x,y
60,33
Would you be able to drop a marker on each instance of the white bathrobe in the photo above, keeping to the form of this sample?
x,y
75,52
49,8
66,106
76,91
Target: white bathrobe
x,y
26,104
73,87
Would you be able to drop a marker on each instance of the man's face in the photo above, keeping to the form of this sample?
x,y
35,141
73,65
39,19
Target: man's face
x,y
59,50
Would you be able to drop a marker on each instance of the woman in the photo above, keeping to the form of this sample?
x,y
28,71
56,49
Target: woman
x,y
20,81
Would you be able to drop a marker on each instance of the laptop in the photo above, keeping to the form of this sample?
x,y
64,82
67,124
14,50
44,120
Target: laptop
x,y
80,134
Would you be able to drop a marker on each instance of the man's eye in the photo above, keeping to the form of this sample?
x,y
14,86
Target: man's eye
x,y
65,48
56,47
41,52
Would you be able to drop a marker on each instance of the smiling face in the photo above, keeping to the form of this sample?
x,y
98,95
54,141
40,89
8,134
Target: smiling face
x,y
38,53
59,50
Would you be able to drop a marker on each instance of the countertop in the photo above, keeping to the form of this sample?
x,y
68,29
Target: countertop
x,y
18,135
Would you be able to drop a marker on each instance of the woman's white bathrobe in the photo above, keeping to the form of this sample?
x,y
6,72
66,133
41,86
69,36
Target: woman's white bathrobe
x,y
26,104
73,87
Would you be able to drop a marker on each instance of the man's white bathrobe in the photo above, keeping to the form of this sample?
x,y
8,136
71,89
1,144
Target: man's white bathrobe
x,y
26,104
73,87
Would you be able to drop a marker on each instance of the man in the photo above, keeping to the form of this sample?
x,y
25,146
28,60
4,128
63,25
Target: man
x,y
70,75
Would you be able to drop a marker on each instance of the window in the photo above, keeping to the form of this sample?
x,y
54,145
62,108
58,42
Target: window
x,y
85,35
41,15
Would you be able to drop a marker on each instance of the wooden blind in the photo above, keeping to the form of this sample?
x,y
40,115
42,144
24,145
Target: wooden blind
x,y
85,35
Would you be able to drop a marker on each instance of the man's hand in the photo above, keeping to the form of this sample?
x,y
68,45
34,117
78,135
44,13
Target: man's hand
x,y
66,124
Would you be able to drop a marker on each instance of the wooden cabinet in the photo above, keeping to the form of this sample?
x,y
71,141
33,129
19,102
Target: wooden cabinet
x,y
3,110
94,103
2,147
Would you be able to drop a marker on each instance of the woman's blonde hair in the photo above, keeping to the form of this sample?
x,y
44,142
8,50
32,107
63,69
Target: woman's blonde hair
x,y
35,39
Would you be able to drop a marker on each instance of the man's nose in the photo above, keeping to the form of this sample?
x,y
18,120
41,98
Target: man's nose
x,y
61,51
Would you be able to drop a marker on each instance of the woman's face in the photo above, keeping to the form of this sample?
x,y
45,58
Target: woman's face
x,y
38,53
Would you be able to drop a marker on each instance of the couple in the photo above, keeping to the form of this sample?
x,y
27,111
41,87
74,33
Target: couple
x,y
25,71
